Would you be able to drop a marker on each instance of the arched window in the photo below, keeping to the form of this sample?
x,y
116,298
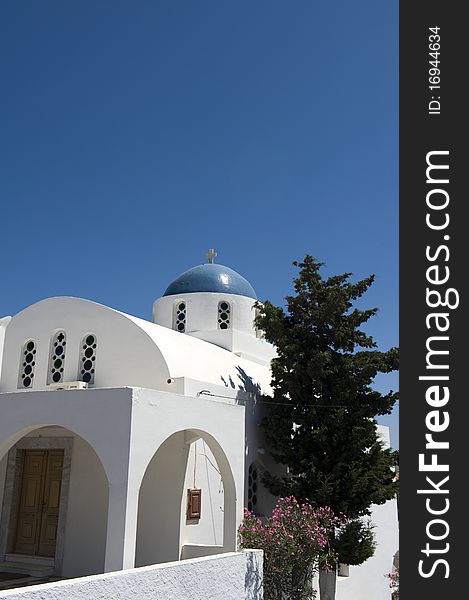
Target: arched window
x,y
179,321
27,364
55,373
87,366
253,487
224,315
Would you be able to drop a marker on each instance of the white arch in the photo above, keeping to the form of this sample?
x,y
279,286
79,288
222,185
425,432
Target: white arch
x,y
162,496
81,529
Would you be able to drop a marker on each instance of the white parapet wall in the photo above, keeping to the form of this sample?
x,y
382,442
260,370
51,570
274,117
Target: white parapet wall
x,y
231,576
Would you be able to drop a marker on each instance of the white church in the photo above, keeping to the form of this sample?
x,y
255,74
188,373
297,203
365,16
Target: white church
x,y
126,442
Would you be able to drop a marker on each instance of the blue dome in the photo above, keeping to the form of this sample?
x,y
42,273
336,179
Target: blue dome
x,y
211,278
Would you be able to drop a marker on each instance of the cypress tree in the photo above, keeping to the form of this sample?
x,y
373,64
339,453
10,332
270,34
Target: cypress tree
x,y
321,419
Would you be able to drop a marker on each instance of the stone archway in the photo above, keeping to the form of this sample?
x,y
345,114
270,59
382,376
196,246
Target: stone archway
x,y
79,491
186,459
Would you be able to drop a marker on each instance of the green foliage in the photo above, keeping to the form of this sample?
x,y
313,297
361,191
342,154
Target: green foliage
x,y
321,421
355,543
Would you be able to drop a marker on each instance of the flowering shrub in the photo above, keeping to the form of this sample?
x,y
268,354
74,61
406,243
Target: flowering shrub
x,y
296,541
394,582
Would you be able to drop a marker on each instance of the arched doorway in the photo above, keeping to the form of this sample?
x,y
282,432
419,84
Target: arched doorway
x,y
55,499
187,460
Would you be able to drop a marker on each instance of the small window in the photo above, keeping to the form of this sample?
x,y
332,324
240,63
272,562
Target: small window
x,y
253,485
87,359
58,349
27,365
180,317
224,315
194,503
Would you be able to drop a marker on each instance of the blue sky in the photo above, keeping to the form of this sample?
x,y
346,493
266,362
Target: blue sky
x,y
137,134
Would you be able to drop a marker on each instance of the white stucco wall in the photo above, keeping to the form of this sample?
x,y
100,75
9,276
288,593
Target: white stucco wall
x,y
163,504
126,428
130,351
202,322
208,530
240,343
202,311
187,356
368,580
221,425
3,324
101,417
85,529
124,356
234,576
159,508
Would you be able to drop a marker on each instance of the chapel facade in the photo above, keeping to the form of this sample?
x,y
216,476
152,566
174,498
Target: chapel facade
x,y
126,442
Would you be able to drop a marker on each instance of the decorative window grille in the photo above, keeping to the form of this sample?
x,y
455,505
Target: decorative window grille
x,y
252,487
86,369
58,348
224,315
27,364
180,317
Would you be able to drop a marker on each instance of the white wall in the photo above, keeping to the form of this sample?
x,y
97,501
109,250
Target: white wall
x,y
3,323
202,311
126,427
85,533
125,355
159,507
202,322
240,343
234,576
157,415
368,580
102,418
130,351
208,530
162,509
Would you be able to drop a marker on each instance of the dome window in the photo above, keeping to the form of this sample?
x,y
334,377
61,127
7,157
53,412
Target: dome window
x,y
55,373
87,365
180,317
224,315
27,364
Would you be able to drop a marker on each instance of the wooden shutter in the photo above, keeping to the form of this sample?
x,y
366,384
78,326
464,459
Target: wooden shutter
x,y
194,503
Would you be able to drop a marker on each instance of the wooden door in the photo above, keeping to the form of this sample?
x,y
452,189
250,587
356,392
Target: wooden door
x,y
38,513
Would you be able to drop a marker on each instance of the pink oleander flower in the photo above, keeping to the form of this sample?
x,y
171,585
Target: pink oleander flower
x,y
295,540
